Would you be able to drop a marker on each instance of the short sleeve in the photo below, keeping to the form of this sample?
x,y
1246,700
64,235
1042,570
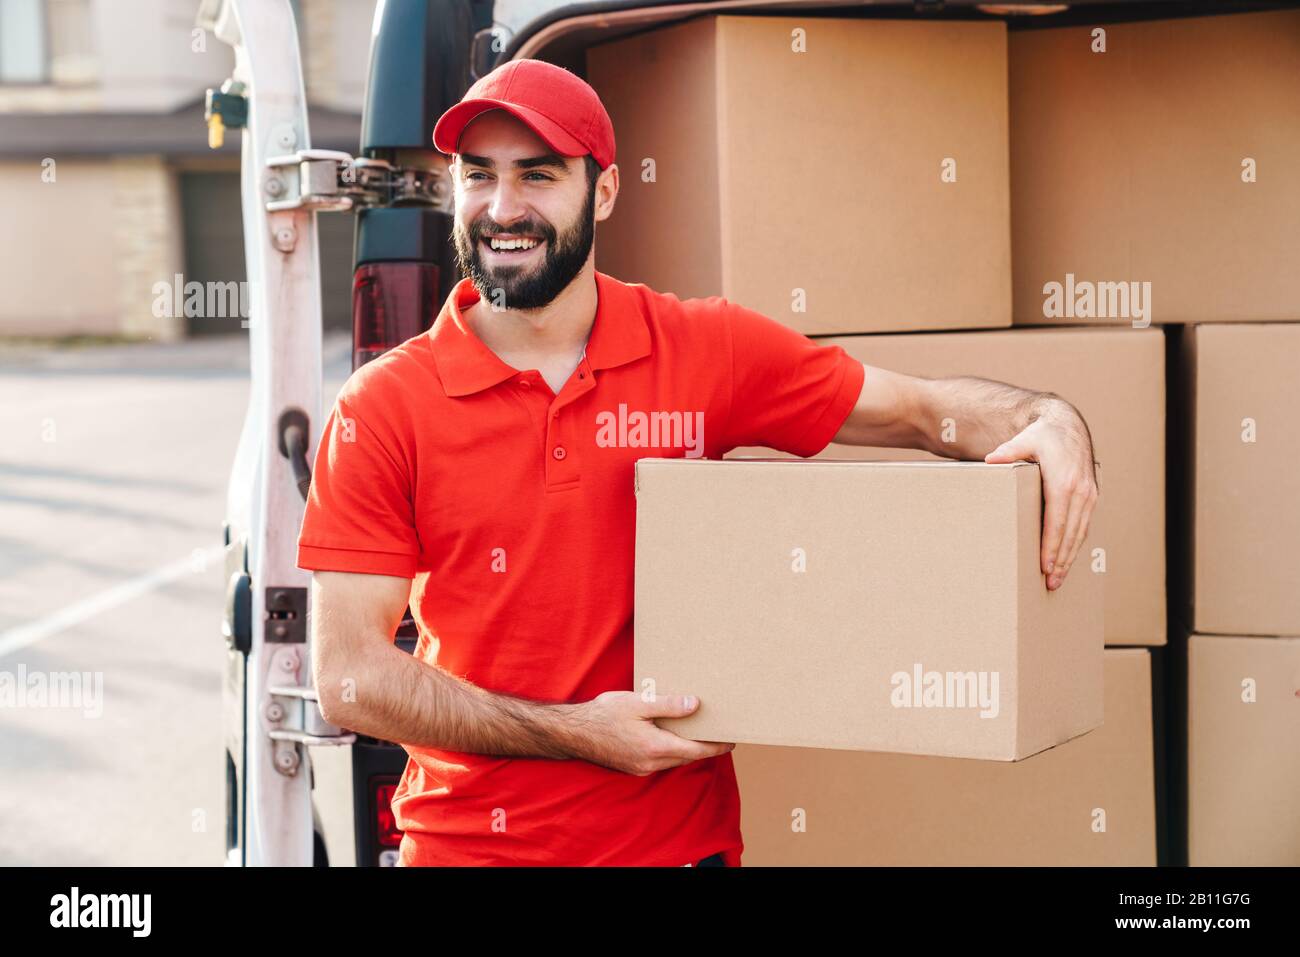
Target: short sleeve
x,y
788,391
359,515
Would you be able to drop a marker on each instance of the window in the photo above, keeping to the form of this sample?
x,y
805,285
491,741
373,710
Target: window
x,y
24,46
47,41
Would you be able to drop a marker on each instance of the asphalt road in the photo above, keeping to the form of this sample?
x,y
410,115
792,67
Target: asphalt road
x,y
113,474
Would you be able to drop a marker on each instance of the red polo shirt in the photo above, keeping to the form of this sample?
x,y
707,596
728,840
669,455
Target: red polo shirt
x,y
513,511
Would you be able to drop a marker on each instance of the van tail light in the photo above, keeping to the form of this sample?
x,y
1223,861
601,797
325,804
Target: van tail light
x,y
387,833
391,302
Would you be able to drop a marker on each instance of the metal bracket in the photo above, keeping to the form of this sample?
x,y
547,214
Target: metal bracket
x,y
331,181
293,716
317,185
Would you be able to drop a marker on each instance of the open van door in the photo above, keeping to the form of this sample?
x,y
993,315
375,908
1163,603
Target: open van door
x,y
268,705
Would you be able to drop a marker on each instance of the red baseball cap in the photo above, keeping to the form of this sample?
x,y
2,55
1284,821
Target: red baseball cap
x,y
557,105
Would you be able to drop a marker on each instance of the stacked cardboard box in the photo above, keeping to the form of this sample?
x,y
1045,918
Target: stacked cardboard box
x,y
1242,402
1116,379
1087,801
1157,153
1240,593
817,170
1243,757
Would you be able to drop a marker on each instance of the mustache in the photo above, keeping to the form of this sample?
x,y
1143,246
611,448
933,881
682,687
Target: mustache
x,y
480,231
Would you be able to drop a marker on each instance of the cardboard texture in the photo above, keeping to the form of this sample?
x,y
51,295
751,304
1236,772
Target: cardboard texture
x,y
1131,165
796,166
876,606
1116,379
1090,801
1243,399
1243,761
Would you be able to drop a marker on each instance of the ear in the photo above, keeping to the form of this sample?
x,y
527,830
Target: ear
x,y
606,192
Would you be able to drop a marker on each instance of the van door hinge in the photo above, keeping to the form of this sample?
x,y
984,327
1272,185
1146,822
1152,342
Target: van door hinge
x,y
293,717
331,181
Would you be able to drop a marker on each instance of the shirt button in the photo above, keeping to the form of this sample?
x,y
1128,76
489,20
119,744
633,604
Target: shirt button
x,y
559,453
526,383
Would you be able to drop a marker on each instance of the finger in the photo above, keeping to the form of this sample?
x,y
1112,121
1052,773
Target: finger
x,y
680,750
1056,510
1081,533
1012,450
694,750
1069,539
669,706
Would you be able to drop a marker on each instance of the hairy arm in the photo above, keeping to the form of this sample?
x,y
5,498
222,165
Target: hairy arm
x,y
369,685
966,417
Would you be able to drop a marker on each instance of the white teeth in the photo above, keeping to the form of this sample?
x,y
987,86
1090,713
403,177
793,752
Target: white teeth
x,y
512,243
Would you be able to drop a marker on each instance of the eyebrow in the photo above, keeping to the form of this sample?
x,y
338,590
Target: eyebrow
x,y
551,160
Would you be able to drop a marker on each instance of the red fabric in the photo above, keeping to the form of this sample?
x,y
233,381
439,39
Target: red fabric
x,y
559,106
438,462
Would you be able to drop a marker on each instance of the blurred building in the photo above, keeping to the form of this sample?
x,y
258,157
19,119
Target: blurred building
x,y
107,184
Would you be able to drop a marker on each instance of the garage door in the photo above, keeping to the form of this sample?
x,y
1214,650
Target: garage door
x,y
214,249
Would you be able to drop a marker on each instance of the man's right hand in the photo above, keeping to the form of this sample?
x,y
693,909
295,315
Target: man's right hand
x,y
617,730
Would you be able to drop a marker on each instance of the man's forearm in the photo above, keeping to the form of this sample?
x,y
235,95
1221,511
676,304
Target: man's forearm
x,y
967,417
396,697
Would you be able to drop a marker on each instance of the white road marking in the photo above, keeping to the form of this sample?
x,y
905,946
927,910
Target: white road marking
x,y
26,635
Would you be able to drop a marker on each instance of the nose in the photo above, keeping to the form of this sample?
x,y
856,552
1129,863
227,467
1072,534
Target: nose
x,y
506,207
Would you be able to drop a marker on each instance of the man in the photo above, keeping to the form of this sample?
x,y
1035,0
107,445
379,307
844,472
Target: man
x,y
465,471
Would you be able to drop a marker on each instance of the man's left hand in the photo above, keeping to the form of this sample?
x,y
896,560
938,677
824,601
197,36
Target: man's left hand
x,y
1058,440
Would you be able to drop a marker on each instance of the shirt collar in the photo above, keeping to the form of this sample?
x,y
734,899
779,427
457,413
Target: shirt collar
x,y
620,334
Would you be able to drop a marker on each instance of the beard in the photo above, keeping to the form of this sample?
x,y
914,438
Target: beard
x,y
527,286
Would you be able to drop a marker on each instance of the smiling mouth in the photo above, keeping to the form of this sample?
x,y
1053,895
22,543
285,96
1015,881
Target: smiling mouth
x,y
511,246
